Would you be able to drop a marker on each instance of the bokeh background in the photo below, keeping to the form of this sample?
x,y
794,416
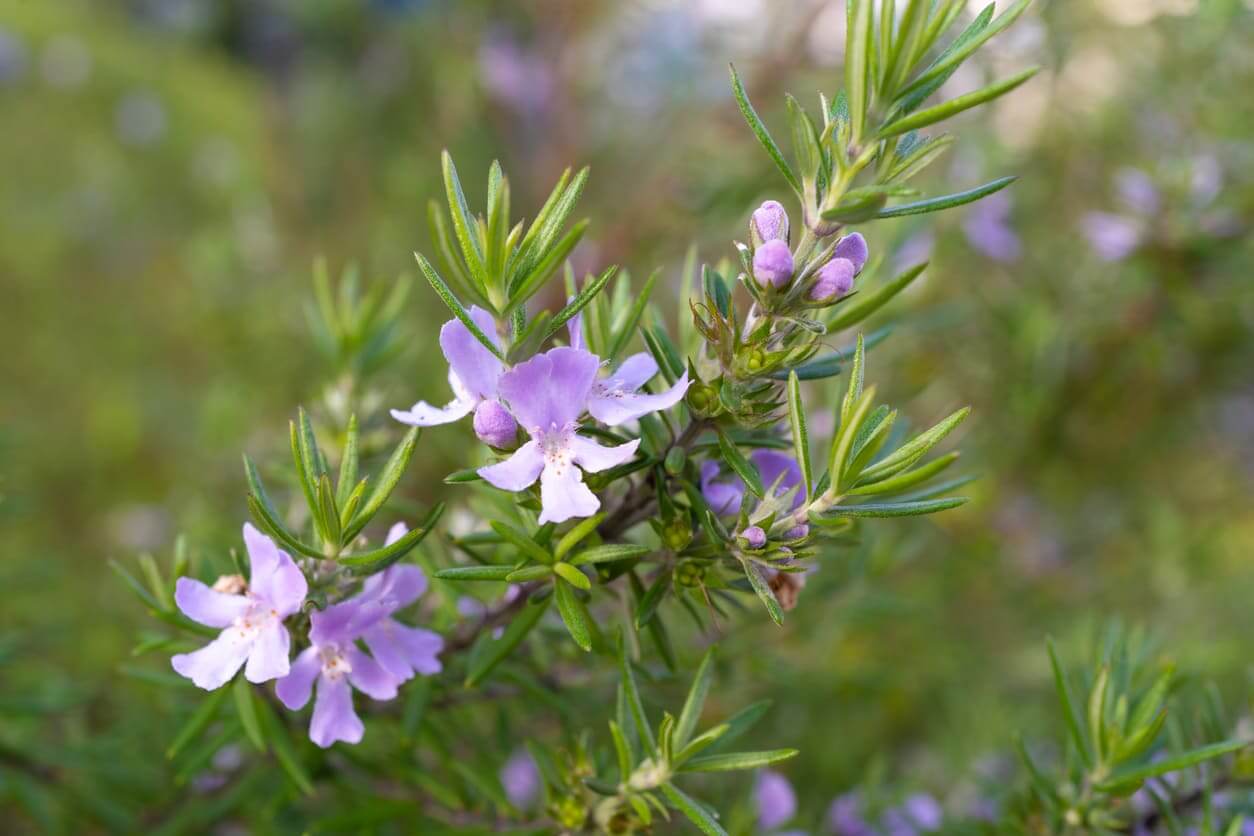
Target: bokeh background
x,y
169,170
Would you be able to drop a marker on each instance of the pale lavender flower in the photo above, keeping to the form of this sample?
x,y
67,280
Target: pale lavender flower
x,y
774,799
1112,237
402,650
723,492
852,248
920,813
617,399
834,280
1206,180
521,779
474,374
769,222
772,264
987,227
1137,191
846,817
547,394
252,622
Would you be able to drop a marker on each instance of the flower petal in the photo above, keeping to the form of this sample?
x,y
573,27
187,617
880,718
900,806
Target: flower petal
x,y
403,650
214,664
208,606
396,532
635,371
269,656
333,716
343,622
517,472
476,367
294,689
275,578
617,406
574,327
423,414
594,458
772,465
551,388
563,495
369,677
722,492
397,586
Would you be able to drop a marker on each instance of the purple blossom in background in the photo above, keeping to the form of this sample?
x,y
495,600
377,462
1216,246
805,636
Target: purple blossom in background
x,y
774,799
920,813
474,373
1206,179
521,779
252,622
517,77
1137,191
723,492
547,394
846,817
772,264
1112,237
987,227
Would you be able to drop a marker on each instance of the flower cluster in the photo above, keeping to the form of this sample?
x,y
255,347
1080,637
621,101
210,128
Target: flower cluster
x,y
255,637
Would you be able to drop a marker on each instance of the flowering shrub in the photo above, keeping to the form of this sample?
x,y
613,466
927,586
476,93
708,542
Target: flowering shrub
x,y
616,487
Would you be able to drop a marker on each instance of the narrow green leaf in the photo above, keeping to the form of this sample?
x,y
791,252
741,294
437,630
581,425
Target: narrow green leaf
x,y
857,64
1068,705
631,696
896,509
646,607
474,573
543,270
697,813
609,553
800,438
495,650
622,751
739,760
866,303
277,735
446,295
963,47
914,449
379,559
387,481
464,226
845,436
581,301
945,110
577,533
1174,763
624,333
754,573
275,529
246,706
936,204
574,614
695,701
572,576
521,541
908,479
759,130
534,572
197,722
742,466
327,509
348,463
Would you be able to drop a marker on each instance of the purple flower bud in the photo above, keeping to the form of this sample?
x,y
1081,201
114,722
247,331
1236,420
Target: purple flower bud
x,y
521,779
797,532
768,223
772,264
754,536
834,280
852,248
774,798
494,425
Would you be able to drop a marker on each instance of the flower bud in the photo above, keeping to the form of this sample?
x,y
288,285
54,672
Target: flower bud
x,y
703,400
768,223
689,573
834,280
797,532
772,264
852,248
754,537
494,425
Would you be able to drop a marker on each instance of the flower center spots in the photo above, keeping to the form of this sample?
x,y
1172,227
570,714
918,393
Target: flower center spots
x,y
257,615
334,663
556,447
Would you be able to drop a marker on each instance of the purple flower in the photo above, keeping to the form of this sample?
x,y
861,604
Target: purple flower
x,y
846,818
772,264
852,248
617,399
987,227
1113,237
920,813
1137,191
769,222
474,373
252,623
835,279
521,779
723,492
402,650
547,394
774,798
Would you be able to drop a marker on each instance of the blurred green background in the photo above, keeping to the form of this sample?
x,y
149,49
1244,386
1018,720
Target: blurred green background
x,y
171,168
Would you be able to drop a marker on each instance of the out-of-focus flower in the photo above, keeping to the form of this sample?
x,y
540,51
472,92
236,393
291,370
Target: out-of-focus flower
x,y
845,817
65,62
1112,237
1137,192
252,622
474,373
547,394
402,650
723,492
521,779
517,77
772,264
140,119
13,57
774,799
987,228
920,813
1206,179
